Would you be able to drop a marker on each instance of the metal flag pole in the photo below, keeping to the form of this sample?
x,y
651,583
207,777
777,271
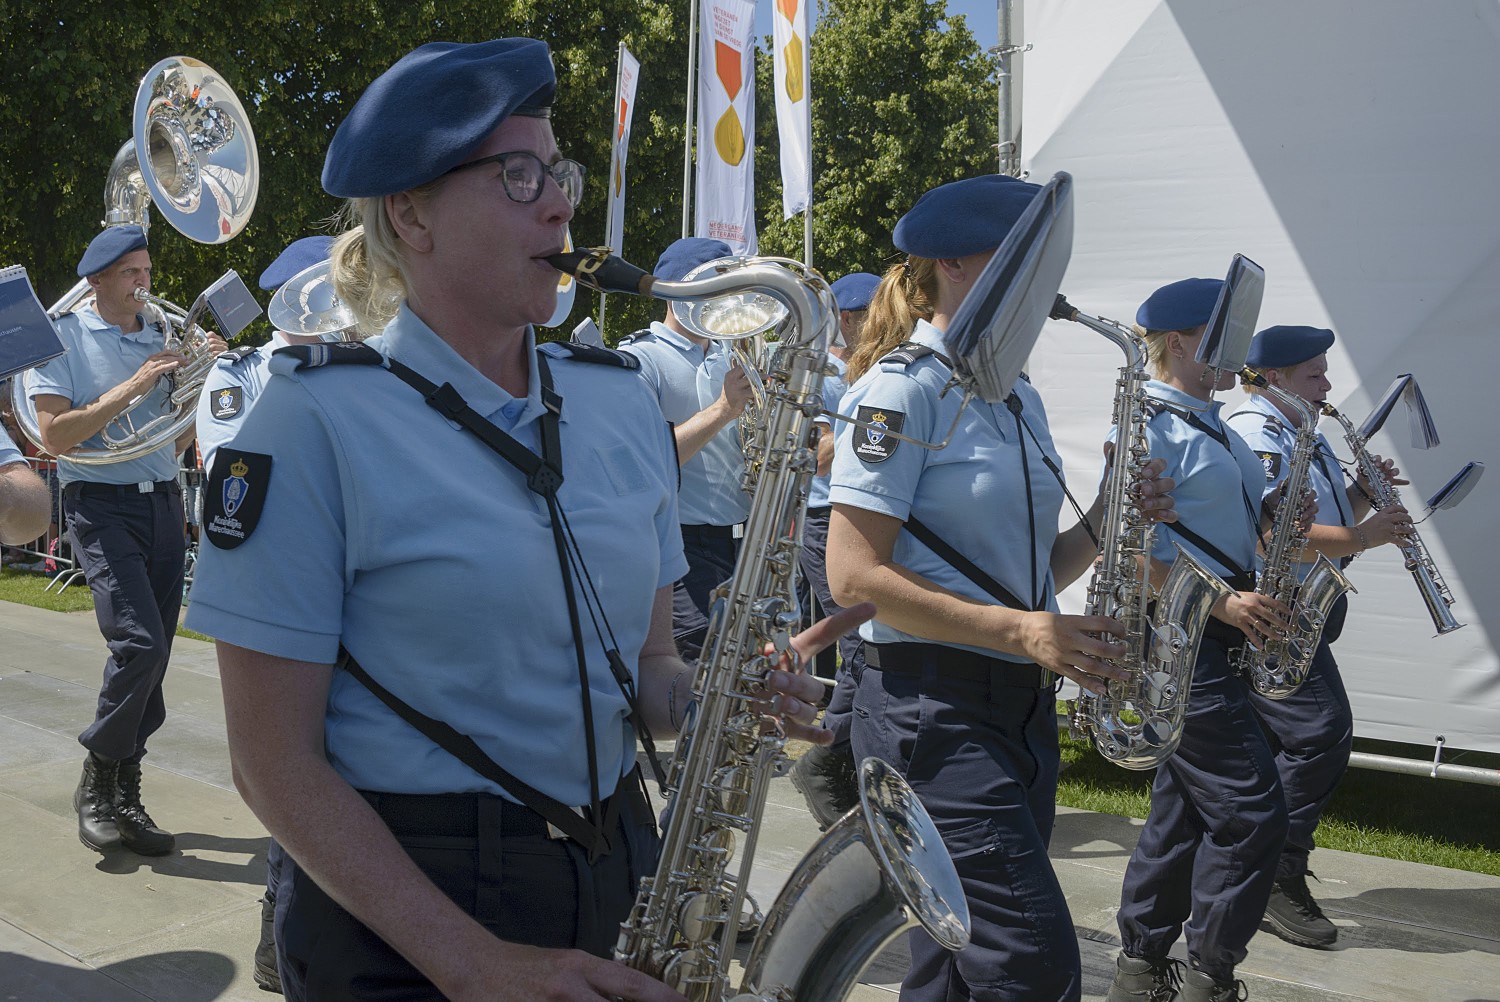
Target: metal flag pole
x,y
692,93
1009,45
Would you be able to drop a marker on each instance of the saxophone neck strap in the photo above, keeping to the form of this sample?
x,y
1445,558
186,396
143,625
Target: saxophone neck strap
x,y
1221,436
937,544
592,835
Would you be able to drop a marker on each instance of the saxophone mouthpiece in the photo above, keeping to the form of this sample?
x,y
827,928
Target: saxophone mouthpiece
x,y
1062,309
1251,377
599,268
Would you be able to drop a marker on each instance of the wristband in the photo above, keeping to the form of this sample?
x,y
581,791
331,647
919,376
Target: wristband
x,y
1364,544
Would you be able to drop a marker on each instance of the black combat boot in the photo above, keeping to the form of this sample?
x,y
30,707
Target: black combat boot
x,y
1200,987
825,778
138,832
267,975
1294,915
1142,979
95,801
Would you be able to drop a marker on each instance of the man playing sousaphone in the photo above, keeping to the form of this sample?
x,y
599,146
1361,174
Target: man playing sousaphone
x,y
125,523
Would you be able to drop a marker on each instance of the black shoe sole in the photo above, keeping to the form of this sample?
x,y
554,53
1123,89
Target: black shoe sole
x,y
103,850
1297,939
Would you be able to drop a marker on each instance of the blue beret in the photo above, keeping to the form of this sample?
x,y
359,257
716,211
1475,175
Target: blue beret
x,y
427,114
299,256
964,217
109,246
1287,345
1180,306
855,291
686,254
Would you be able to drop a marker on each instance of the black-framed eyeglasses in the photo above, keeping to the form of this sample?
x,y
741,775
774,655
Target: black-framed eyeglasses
x,y
523,173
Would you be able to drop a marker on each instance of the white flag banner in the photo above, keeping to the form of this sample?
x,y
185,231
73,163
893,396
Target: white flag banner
x,y
629,73
793,104
726,124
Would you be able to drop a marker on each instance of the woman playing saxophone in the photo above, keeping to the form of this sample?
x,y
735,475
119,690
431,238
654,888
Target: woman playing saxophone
x,y
1206,857
1312,729
957,691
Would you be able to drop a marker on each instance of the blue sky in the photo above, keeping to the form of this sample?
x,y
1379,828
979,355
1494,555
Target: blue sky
x,y
981,15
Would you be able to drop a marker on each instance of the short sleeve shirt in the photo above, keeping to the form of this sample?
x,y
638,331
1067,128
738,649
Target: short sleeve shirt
x,y
1273,439
834,388
8,452
392,532
974,493
231,389
1218,488
99,356
686,379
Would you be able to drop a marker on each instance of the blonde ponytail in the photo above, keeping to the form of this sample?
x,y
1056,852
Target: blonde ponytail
x,y
905,295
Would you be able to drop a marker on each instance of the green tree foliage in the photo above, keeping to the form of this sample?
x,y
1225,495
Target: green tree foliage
x,y
898,106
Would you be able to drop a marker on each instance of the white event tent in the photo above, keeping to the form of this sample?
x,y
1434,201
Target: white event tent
x,y
1351,148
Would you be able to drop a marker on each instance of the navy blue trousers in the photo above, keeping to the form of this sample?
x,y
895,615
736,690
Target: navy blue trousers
x,y
527,889
711,551
1311,733
983,759
1206,859
813,559
130,546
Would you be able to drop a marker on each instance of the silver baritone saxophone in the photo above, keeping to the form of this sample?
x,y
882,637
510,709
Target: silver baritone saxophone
x,y
1138,722
878,871
1278,668
1435,594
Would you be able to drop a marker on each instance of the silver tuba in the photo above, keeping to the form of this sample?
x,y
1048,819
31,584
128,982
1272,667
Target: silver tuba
x,y
883,867
1280,666
1138,722
193,154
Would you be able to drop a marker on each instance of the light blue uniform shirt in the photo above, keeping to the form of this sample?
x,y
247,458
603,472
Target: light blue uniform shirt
x,y
686,379
1272,438
230,390
972,494
8,451
392,531
1216,487
98,358
834,388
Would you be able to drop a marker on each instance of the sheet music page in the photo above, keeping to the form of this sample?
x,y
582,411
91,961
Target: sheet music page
x,y
27,338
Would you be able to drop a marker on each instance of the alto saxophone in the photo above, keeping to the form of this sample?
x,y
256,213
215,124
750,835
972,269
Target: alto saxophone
x,y
1276,669
882,868
1138,722
1435,594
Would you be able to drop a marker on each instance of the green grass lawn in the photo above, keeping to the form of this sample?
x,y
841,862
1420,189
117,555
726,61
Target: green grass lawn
x,y
28,588
1440,822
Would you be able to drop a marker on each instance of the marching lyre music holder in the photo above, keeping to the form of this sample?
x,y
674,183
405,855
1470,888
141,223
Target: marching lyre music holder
x,y
1231,326
997,325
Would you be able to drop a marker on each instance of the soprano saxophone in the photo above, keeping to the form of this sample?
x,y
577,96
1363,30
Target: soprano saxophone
x,y
882,868
1138,722
1278,667
1435,594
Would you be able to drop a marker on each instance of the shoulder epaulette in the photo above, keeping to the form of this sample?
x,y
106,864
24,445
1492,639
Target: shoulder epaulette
x,y
635,336
236,355
590,353
1273,425
314,356
909,352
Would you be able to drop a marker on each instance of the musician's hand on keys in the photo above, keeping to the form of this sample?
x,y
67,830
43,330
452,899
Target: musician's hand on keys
x,y
151,370
217,344
1390,526
1255,615
1155,490
736,393
1072,646
797,693
1388,469
532,974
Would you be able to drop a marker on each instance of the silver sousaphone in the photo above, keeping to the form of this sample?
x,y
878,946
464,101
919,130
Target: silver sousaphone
x,y
193,154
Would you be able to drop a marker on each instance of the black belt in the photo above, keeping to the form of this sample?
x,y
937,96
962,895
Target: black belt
x,y
465,815
952,662
88,488
710,531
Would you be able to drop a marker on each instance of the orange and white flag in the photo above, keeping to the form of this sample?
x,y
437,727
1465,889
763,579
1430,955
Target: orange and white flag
x,y
629,72
726,124
793,115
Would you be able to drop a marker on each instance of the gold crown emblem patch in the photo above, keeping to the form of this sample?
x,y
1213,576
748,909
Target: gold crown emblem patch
x,y
238,468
